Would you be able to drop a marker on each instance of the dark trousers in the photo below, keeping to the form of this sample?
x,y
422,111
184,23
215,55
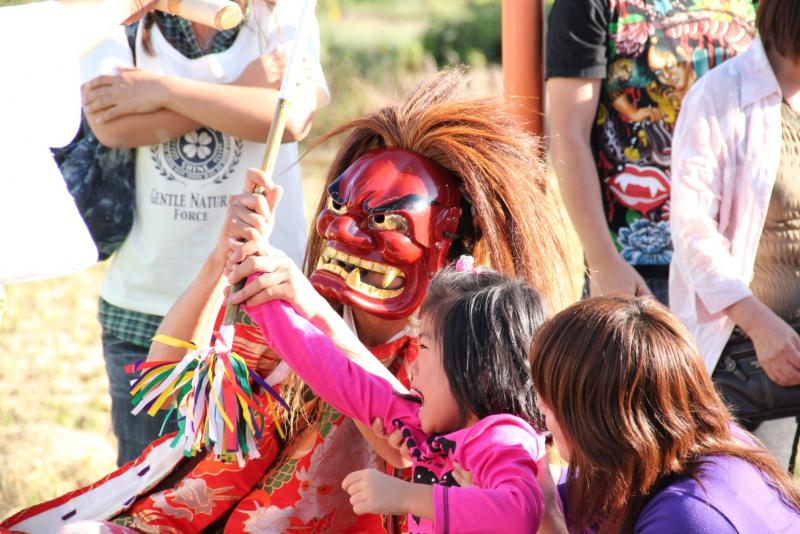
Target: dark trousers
x,y
657,279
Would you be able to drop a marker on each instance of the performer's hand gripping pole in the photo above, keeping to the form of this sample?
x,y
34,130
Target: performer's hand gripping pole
x,y
276,129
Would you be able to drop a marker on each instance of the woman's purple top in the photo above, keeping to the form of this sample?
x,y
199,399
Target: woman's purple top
x,y
501,451
734,498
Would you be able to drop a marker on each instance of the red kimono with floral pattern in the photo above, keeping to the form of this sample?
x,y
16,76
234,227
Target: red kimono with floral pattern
x,y
297,489
293,487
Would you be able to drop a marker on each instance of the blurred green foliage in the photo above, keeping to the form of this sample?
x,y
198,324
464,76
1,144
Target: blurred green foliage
x,y
369,48
471,36
377,46
375,50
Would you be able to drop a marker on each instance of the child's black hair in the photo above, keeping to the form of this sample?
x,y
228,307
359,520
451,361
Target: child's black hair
x,y
485,323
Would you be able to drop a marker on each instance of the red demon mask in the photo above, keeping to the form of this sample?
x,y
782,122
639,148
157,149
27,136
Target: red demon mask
x,y
389,222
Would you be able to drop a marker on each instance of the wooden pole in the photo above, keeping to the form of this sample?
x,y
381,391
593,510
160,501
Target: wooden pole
x,y
523,60
276,128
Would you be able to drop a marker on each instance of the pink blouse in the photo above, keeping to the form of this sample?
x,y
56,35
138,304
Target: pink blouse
x,y
725,154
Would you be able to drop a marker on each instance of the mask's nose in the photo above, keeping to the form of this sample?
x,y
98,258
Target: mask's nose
x,y
345,230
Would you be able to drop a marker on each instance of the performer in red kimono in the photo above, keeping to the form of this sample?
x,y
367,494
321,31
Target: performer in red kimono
x,y
413,186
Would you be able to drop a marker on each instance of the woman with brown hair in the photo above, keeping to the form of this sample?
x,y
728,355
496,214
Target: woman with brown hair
x,y
651,447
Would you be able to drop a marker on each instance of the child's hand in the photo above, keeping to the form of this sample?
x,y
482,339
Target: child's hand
x,y
373,492
553,519
462,476
390,447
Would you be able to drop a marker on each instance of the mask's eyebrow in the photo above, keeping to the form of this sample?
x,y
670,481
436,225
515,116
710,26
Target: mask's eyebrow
x,y
333,191
406,203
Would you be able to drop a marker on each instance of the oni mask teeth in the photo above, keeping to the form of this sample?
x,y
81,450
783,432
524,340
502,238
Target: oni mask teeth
x,y
353,278
390,276
335,269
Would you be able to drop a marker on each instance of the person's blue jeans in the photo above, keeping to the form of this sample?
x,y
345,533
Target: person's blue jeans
x,y
133,433
657,280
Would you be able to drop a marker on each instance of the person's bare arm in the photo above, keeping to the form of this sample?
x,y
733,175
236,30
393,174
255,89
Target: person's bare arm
x,y
192,316
248,224
776,343
140,108
278,278
572,104
143,129
241,109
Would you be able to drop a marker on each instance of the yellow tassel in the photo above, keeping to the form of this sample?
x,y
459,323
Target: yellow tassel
x,y
149,376
246,414
153,410
175,342
214,394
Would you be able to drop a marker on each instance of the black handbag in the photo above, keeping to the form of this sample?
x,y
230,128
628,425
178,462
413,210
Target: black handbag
x,y
101,180
747,389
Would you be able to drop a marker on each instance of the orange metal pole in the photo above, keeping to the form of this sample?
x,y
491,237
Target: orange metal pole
x,y
523,60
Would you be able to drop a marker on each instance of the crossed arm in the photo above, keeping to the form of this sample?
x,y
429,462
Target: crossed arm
x,y
139,108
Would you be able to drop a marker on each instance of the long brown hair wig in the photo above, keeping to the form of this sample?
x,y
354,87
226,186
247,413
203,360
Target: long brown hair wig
x,y
510,222
637,407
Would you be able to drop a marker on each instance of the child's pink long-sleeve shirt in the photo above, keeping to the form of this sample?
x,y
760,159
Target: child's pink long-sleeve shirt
x,y
501,451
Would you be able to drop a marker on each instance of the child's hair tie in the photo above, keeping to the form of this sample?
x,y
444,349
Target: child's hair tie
x,y
466,264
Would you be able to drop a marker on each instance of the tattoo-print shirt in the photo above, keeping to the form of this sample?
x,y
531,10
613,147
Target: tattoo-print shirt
x,y
501,451
648,53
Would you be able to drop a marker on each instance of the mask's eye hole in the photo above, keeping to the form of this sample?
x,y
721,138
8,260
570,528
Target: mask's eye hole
x,y
391,221
336,207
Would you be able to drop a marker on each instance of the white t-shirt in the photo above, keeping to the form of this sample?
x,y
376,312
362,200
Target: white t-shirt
x,y
41,233
183,186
